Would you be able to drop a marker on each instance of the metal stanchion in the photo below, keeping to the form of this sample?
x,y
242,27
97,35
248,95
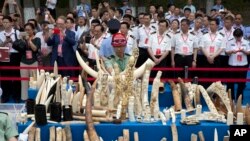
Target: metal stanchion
x,y
186,72
195,80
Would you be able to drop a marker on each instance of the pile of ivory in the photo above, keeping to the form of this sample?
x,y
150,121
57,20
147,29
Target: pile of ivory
x,y
126,137
124,92
60,134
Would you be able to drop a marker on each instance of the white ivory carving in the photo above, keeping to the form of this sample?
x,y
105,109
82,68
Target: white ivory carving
x,y
119,109
144,94
185,95
240,119
137,94
163,118
215,135
230,118
137,73
220,90
183,114
131,114
206,116
84,100
111,99
176,95
172,113
208,100
63,90
147,114
167,114
154,102
174,132
194,137
118,85
198,109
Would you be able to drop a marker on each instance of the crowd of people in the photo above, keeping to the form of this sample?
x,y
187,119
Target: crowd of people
x,y
171,36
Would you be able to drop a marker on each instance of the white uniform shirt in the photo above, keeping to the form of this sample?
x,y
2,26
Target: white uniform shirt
x,y
184,45
239,58
3,35
131,43
144,35
159,43
92,49
228,35
80,30
212,42
44,45
51,4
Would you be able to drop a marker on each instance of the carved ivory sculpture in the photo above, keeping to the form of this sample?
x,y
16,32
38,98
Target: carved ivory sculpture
x,y
131,114
145,81
154,102
137,94
185,96
118,85
220,90
176,96
104,90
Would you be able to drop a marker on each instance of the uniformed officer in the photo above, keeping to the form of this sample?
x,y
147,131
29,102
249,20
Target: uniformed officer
x,y
238,49
159,46
7,131
184,48
212,45
119,43
144,33
131,42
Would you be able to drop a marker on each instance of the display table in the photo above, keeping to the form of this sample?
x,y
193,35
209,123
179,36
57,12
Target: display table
x,y
147,131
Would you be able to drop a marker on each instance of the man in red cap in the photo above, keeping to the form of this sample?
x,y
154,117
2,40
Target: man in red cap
x,y
119,44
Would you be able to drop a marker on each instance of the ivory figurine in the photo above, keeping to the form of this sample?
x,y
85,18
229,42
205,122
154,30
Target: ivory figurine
x,y
118,112
208,100
76,103
220,90
185,96
176,96
131,114
174,132
52,133
154,102
118,85
163,118
145,81
137,94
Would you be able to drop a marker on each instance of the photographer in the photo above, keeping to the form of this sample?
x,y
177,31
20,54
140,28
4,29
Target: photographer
x,y
43,14
29,55
51,5
7,37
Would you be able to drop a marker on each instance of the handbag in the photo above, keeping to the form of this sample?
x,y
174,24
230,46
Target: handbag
x,y
19,44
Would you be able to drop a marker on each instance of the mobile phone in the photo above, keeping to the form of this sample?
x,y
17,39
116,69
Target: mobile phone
x,y
23,34
51,26
87,39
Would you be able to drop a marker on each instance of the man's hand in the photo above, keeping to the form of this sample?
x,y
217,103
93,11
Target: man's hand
x,y
173,64
194,64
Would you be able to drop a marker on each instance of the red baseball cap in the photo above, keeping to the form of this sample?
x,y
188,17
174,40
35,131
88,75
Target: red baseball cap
x,y
119,40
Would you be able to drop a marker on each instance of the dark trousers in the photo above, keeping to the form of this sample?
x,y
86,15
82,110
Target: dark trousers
x,y
52,12
10,87
143,56
68,72
181,61
162,64
241,85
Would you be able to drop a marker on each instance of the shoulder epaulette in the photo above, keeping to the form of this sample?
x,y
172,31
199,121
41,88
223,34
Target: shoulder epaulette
x,y
132,36
220,28
127,54
154,27
153,22
131,29
140,26
192,33
205,32
177,32
231,39
168,35
153,32
222,34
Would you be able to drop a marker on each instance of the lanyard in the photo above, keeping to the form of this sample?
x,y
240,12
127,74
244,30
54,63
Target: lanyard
x,y
184,38
98,40
238,44
212,37
147,31
228,35
160,39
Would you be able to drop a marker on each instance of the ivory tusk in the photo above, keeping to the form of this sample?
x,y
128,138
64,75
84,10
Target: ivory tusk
x,y
38,96
174,132
215,135
63,135
26,131
85,136
226,138
38,134
239,108
55,69
247,115
201,136
176,96
136,136
59,134
52,133
194,137
31,134
68,133
126,135
48,102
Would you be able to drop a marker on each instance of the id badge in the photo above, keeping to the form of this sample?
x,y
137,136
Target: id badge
x,y
158,51
239,58
28,54
146,41
211,49
59,49
185,50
